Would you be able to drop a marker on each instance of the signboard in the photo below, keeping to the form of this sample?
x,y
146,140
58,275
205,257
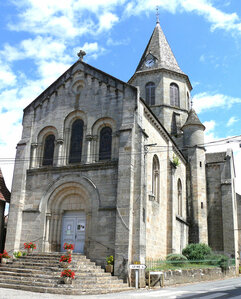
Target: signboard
x,y
138,267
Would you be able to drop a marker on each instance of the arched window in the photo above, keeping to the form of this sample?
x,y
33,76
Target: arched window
x,y
156,178
48,155
179,195
150,93
105,143
174,95
188,101
76,141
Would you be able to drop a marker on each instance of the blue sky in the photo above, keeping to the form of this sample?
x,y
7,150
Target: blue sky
x,y
39,41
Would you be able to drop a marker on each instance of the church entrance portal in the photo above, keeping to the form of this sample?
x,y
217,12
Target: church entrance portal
x,y
73,230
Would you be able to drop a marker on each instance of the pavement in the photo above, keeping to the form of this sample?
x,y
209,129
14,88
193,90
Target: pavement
x,y
221,289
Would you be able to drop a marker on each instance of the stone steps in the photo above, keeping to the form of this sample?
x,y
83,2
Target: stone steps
x,y
64,290
41,273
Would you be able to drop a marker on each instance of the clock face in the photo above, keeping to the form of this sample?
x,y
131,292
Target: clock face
x,y
149,62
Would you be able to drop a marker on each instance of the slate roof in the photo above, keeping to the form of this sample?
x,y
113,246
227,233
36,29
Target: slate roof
x,y
158,46
193,119
4,192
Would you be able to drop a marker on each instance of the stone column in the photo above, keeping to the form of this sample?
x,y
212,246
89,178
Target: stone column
x,y
48,217
95,156
89,157
60,158
33,163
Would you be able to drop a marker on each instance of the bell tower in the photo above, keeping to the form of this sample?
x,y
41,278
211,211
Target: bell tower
x,y
163,85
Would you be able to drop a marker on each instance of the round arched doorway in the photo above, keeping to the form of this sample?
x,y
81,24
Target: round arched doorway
x,y
66,220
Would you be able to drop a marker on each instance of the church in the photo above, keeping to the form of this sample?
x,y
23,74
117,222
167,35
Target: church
x,y
120,168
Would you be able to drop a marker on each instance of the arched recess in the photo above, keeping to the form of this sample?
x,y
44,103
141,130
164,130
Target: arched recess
x,y
179,197
174,95
76,194
97,127
156,178
150,93
68,123
37,149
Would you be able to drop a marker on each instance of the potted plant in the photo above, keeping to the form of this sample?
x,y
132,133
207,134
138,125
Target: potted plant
x,y
110,264
29,246
65,260
4,257
175,161
68,275
69,248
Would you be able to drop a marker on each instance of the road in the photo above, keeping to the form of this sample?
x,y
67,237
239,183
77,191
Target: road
x,y
222,289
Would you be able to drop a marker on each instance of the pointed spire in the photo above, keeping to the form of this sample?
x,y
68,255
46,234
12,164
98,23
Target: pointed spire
x,y
193,120
160,49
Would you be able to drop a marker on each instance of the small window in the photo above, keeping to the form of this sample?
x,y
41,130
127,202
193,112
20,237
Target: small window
x,y
200,164
188,101
179,188
105,143
174,95
48,156
76,141
156,178
150,93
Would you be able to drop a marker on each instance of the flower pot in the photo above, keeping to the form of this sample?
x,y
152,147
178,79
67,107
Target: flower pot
x,y
4,260
109,268
64,265
30,250
69,251
67,280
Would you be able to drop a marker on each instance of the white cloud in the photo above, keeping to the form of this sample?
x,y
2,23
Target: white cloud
x,y
204,101
107,21
7,76
93,50
216,17
231,121
215,144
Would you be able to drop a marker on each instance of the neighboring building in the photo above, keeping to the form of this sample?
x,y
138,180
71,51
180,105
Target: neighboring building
x,y
4,198
120,168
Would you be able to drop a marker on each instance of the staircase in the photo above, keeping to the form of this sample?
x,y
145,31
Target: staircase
x,y
41,273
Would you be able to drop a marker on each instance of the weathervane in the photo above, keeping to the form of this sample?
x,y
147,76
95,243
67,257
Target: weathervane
x,y
157,15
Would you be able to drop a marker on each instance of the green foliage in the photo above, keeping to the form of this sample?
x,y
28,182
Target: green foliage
x,y
197,251
223,262
110,260
175,161
17,254
176,259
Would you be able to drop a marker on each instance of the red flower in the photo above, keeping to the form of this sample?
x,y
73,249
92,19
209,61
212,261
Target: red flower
x,y
66,258
68,246
29,245
4,255
68,273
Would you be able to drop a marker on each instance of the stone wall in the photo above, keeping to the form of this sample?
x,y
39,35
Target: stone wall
x,y
222,203
174,277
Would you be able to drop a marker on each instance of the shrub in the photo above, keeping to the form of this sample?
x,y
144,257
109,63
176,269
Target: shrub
x,y
198,251
223,262
177,259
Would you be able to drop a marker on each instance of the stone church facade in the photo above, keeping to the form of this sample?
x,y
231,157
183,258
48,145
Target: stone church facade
x,y
120,168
